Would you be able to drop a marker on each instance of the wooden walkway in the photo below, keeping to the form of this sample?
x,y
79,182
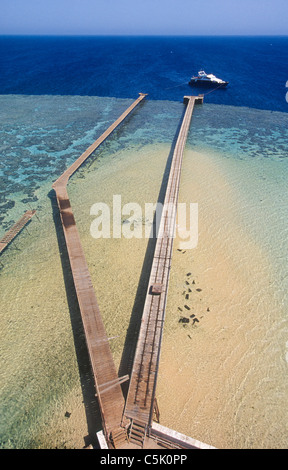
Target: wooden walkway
x,y
107,382
63,179
13,232
141,394
137,412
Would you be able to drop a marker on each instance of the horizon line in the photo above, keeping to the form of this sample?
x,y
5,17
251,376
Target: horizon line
x,y
138,35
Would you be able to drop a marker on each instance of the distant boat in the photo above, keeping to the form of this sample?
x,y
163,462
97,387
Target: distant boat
x,y
207,80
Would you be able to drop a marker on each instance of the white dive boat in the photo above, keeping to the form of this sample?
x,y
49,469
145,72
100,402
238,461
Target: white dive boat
x,y
205,79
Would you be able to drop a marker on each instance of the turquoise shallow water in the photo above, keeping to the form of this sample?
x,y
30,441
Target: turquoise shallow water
x,y
41,136
45,378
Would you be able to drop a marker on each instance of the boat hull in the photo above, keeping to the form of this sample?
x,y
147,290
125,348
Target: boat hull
x,y
207,83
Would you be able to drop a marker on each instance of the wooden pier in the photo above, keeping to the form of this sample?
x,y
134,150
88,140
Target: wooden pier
x,y
63,179
136,414
107,382
141,394
16,229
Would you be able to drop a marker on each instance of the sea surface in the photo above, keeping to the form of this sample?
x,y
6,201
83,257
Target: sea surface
x,y
223,375
256,67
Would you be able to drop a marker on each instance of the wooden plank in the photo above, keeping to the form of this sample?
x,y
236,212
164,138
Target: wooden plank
x,y
141,393
110,397
63,180
16,229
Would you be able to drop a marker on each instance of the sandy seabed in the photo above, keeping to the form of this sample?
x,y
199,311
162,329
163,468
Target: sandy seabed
x,y
223,374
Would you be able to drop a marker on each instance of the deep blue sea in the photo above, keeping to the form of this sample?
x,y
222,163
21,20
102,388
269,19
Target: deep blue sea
x,y
256,67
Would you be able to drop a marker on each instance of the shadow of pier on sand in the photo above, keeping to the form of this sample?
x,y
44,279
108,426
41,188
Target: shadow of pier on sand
x,y
93,415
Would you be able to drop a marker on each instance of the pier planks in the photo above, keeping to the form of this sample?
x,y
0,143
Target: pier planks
x,y
141,393
13,232
139,406
107,382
